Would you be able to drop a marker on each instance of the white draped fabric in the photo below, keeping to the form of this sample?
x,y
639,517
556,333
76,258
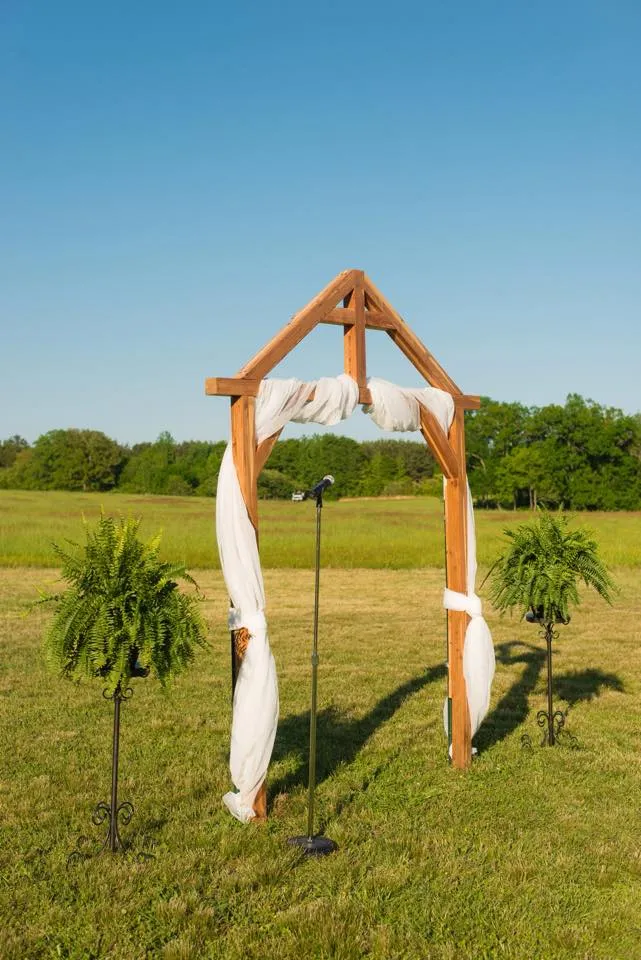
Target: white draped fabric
x,y
478,651
397,408
255,707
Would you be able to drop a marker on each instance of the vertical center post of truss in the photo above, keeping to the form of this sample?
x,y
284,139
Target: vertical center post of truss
x,y
354,333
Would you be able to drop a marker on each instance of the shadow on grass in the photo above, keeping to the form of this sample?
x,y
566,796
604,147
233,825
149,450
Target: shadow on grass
x,y
338,739
585,685
514,706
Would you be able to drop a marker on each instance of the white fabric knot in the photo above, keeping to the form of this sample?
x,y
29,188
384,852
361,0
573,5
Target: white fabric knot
x,y
254,622
392,407
478,656
470,603
335,399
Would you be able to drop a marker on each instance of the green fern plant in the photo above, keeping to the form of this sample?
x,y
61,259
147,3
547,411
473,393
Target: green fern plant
x,y
542,568
123,613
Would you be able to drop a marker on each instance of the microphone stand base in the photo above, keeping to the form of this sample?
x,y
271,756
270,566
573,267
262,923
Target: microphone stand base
x,y
313,846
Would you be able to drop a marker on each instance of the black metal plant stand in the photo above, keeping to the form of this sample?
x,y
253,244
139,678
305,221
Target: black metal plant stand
x,y
113,814
314,844
551,721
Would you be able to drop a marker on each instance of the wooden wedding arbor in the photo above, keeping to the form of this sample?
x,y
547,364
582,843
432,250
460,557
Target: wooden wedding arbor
x,y
351,301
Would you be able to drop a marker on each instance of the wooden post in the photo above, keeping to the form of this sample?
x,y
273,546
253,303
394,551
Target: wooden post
x,y
354,334
456,564
243,443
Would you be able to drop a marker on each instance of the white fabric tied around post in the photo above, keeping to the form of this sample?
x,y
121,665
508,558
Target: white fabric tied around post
x,y
478,650
255,707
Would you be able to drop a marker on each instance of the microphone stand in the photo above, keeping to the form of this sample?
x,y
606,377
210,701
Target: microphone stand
x,y
311,844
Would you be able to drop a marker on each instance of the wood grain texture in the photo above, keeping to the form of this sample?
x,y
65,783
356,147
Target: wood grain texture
x,y
374,319
243,442
439,444
231,387
467,401
260,804
264,450
456,553
354,335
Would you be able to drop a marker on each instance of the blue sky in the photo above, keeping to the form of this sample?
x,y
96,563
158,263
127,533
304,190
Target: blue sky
x,y
177,179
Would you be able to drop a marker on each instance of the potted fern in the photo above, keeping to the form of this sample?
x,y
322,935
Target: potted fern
x,y
122,616
539,574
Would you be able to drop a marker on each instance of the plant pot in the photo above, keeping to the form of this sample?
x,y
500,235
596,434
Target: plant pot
x,y
136,668
536,616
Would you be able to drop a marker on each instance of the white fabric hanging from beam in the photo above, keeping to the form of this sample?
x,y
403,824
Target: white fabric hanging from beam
x,y
255,707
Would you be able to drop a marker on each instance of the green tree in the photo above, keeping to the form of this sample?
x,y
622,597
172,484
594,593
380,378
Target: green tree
x,y
150,466
9,450
71,460
274,485
491,433
522,478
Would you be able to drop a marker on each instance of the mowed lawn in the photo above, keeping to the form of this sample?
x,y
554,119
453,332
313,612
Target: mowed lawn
x,y
534,855
378,534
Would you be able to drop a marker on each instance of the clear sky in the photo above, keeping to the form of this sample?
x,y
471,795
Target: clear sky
x,y
177,179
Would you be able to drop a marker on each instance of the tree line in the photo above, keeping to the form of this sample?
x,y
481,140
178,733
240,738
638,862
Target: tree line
x,y
578,456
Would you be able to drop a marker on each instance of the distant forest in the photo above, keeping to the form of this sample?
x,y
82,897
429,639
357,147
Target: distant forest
x,y
580,456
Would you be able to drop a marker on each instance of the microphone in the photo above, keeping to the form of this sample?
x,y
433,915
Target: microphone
x,y
322,485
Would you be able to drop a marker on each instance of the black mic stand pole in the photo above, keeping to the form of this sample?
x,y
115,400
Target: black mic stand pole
x,y
311,844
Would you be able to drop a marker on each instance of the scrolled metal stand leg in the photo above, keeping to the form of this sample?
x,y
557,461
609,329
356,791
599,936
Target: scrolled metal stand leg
x,y
546,718
551,721
114,813
311,844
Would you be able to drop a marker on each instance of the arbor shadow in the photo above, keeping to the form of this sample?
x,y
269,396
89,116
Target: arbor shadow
x,y
513,708
584,685
339,740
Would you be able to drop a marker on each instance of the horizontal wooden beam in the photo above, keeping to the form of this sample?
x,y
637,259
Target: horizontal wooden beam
x,y
249,387
466,401
345,316
231,387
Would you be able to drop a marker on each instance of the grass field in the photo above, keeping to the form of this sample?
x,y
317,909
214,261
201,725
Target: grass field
x,y
376,534
532,855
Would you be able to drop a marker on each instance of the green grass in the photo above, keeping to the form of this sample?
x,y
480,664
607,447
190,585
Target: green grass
x,y
529,856
392,534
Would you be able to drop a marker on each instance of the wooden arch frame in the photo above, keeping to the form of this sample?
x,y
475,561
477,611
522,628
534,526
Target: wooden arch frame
x,y
352,302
